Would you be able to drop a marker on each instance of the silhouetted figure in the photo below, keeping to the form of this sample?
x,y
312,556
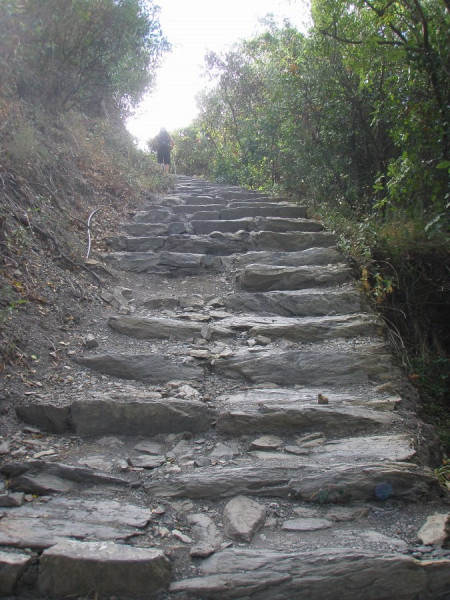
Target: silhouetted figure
x,y
163,145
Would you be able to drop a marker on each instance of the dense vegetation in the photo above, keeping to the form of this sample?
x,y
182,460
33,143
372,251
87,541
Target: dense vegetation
x,y
70,72
353,119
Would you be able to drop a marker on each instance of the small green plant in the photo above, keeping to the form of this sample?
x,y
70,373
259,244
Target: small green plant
x,y
10,308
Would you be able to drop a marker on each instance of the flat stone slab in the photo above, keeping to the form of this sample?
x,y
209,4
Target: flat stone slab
x,y
42,477
308,302
120,414
264,209
151,368
311,329
155,328
308,367
279,417
201,227
194,247
306,329
310,256
72,568
306,524
337,484
142,262
266,278
316,575
41,525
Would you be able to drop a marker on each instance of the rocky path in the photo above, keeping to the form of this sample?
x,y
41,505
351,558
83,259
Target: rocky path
x,y
245,432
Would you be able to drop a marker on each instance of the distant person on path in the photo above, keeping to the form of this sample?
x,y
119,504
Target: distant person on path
x,y
163,145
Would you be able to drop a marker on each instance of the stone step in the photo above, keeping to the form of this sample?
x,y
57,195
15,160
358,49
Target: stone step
x,y
266,278
261,209
254,224
165,262
311,301
106,567
306,329
290,303
326,574
310,256
151,229
40,525
223,244
314,366
149,367
136,414
41,477
340,483
290,411
189,209
340,365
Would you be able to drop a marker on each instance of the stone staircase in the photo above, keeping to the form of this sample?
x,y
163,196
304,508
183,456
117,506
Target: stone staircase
x,y
240,429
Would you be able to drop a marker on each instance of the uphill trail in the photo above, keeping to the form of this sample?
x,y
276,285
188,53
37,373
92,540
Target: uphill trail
x,y
237,427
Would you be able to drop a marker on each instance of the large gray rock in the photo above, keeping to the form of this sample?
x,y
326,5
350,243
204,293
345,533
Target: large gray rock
x,y
317,575
436,530
242,517
151,368
41,525
308,367
266,278
12,566
204,529
83,568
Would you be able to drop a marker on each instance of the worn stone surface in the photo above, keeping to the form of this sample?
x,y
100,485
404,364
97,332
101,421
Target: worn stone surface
x,y
41,477
12,565
306,524
310,302
266,278
119,415
204,530
41,525
72,568
151,368
242,517
342,483
215,407
314,367
318,575
140,415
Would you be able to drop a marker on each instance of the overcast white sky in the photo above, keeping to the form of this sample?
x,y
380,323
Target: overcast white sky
x,y
193,27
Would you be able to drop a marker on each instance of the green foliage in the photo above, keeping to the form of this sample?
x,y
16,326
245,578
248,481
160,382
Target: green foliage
x,y
96,55
432,378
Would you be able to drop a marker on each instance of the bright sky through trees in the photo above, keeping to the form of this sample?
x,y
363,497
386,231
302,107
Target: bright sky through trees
x,y
193,27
